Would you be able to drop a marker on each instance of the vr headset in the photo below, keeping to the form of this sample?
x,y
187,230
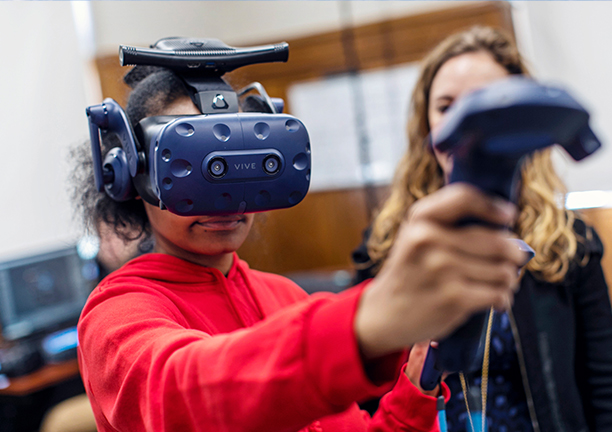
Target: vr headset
x,y
220,162
489,133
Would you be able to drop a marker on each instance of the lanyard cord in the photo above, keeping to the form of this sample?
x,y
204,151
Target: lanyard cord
x,y
485,378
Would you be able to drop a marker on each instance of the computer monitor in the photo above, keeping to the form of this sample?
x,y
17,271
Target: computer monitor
x,y
44,292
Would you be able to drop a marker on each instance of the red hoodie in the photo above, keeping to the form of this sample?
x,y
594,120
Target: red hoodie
x,y
168,345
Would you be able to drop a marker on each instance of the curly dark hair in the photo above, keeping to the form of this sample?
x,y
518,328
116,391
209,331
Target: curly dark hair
x,y
153,89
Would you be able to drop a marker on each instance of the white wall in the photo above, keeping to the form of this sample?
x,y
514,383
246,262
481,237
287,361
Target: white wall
x,y
569,42
236,22
41,115
43,80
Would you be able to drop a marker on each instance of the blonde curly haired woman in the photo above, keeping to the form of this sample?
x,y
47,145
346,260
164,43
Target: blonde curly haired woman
x,y
551,356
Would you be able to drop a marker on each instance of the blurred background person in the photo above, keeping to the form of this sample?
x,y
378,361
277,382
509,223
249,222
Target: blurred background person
x,y
550,367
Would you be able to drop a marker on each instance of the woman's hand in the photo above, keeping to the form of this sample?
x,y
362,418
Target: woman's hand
x,y
438,274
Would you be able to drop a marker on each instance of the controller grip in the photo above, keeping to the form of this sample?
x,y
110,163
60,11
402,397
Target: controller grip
x,y
430,375
461,351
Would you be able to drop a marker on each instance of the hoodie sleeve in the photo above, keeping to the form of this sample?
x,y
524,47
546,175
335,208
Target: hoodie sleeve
x,y
144,369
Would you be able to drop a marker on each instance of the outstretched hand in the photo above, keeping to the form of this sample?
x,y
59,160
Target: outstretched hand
x,y
438,273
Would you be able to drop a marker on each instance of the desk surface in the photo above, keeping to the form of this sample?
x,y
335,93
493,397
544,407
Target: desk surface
x,y
44,377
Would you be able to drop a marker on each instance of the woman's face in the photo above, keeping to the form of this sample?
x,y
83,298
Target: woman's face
x,y
457,76
205,240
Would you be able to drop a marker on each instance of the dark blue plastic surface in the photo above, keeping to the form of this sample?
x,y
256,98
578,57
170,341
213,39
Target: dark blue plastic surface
x,y
177,152
243,141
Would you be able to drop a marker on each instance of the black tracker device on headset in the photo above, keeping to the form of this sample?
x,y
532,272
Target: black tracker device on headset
x,y
489,132
221,162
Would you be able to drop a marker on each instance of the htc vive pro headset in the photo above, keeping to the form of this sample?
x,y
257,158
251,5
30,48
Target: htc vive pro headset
x,y
220,162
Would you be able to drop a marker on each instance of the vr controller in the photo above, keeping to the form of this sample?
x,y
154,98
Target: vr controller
x,y
489,132
221,162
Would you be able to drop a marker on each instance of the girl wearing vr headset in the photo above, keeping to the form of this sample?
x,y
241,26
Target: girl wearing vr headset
x,y
190,338
551,363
